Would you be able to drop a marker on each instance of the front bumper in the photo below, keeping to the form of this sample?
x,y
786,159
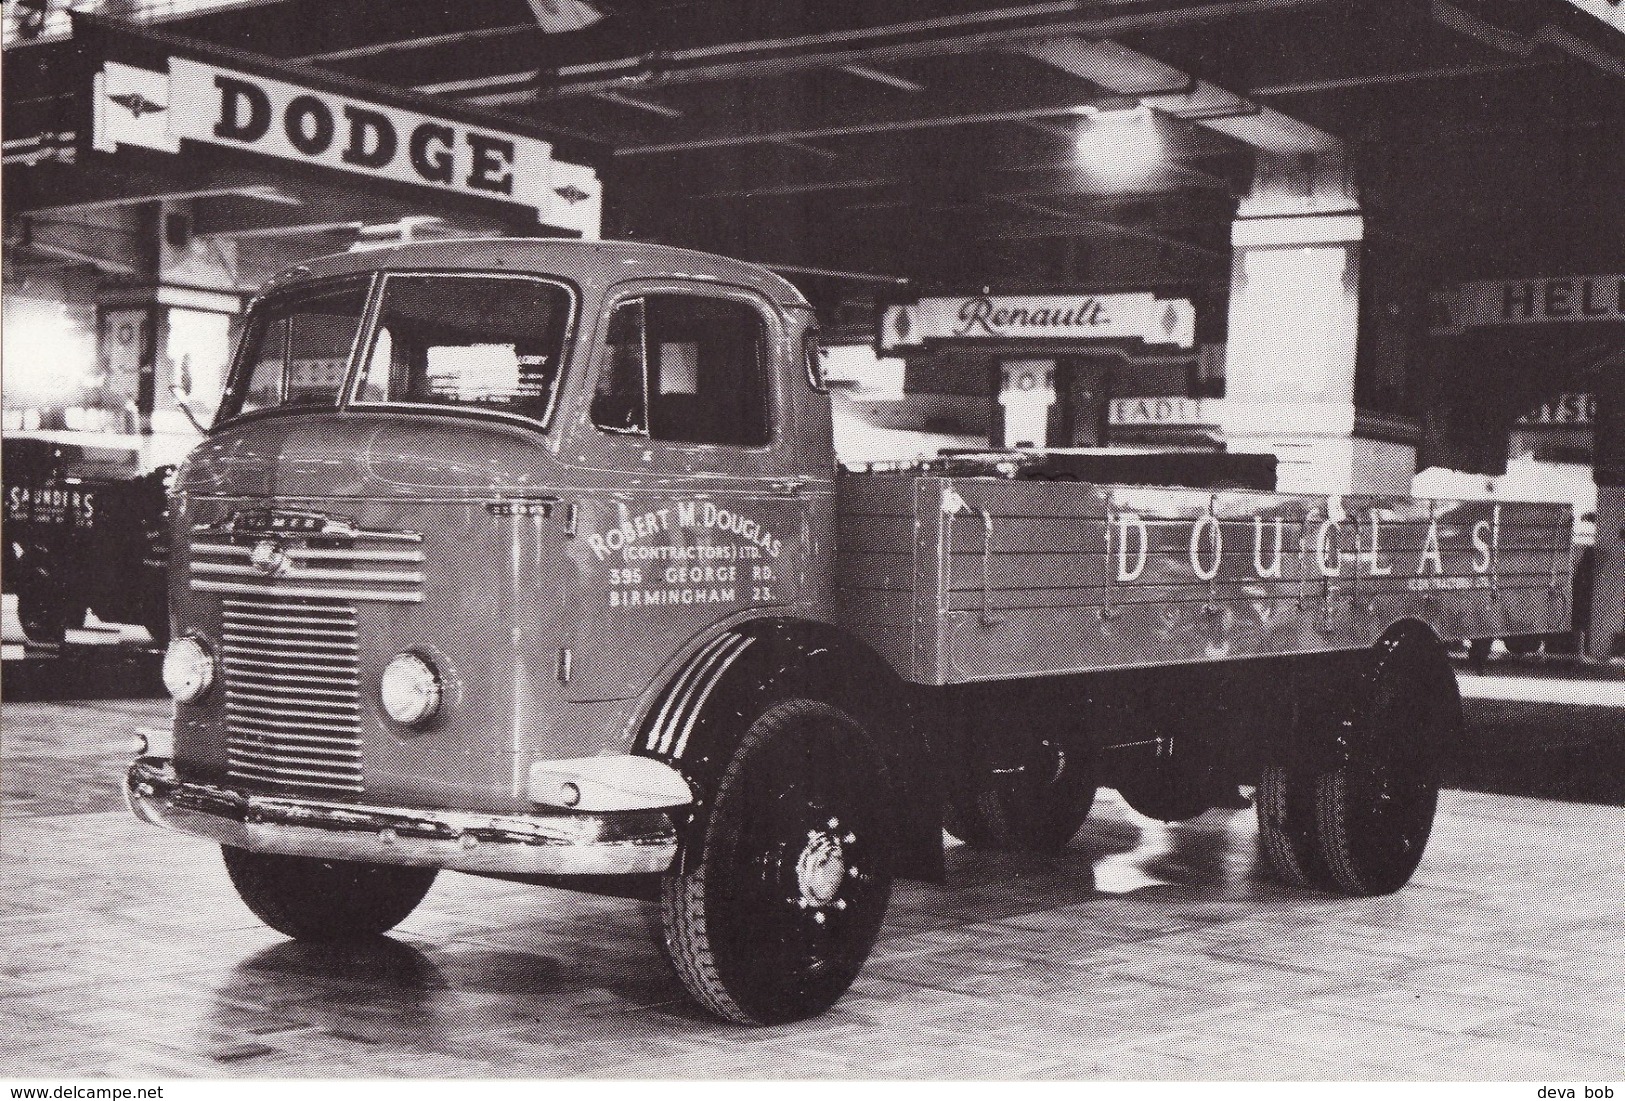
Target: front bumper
x,y
560,843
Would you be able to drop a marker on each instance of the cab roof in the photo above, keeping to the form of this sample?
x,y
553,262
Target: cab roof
x,y
587,263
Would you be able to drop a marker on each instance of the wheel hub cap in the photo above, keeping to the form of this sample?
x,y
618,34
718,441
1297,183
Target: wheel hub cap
x,y
821,870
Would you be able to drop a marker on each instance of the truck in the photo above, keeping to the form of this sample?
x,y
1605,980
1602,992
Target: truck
x,y
83,535
532,559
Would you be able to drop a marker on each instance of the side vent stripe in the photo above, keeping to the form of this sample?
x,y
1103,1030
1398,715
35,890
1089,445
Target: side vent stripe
x,y
680,710
699,704
675,690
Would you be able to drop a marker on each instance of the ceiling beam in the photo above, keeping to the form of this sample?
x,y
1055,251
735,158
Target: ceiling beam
x,y
422,42
881,76
639,103
1058,106
266,233
783,190
265,193
1064,223
972,32
1369,80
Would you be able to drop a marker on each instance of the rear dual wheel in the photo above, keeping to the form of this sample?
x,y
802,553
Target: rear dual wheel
x,y
1035,805
773,914
44,609
1356,819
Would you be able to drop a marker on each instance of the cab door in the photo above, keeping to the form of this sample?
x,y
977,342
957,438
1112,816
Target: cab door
x,y
704,511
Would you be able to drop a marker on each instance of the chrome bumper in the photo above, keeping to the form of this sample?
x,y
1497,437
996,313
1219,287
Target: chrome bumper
x,y
558,843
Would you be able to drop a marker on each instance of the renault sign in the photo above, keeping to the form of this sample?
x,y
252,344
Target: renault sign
x,y
1141,316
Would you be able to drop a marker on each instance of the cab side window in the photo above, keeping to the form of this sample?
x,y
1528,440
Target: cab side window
x,y
685,368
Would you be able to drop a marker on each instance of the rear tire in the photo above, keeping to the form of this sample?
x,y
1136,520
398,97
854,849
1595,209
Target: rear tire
x,y
773,916
1287,830
43,607
46,620
1038,807
1357,822
325,900
1374,811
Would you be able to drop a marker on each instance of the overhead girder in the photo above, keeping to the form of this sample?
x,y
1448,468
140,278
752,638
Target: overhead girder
x,y
971,32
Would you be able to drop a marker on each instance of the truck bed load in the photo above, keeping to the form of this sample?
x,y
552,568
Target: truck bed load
x,y
968,579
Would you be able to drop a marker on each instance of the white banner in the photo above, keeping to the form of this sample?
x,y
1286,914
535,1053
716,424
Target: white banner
x,y
207,103
1165,410
1143,317
1529,302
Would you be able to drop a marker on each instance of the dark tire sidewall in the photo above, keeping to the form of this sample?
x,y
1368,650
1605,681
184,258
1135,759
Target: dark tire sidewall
x,y
325,900
716,945
1374,809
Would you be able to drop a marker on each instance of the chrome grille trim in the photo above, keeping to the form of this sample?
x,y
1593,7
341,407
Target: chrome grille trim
x,y
292,694
280,643
348,563
236,550
313,739
242,694
314,622
339,758
203,586
226,568
280,665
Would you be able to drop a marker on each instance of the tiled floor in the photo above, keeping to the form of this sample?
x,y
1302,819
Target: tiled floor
x,y
1144,952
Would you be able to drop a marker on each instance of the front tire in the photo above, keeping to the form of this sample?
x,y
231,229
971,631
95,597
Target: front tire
x,y
44,610
773,916
325,900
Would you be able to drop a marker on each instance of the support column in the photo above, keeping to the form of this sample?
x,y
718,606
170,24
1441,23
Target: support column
x,y
1607,583
1299,242
170,328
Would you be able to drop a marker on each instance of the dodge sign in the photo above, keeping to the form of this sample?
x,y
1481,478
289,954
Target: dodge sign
x,y
203,102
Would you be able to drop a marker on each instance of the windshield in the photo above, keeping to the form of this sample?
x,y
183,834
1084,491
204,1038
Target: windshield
x,y
296,350
492,342
484,342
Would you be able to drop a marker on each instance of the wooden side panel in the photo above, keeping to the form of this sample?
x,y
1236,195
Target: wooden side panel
x,y
997,579
875,564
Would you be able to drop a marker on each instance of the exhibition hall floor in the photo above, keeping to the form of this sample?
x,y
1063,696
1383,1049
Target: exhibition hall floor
x,y
1144,952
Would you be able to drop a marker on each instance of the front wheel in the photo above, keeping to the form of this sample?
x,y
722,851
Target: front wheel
x,y
325,900
45,611
772,917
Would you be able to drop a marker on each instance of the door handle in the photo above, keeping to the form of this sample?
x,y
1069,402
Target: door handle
x,y
787,489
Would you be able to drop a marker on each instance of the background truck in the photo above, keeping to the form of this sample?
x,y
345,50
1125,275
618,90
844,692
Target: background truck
x,y
82,535
531,559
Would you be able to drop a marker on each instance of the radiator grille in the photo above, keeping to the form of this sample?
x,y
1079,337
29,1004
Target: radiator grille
x,y
292,695
360,566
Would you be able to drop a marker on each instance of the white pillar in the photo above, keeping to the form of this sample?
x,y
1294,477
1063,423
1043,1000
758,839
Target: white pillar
x,y
1292,352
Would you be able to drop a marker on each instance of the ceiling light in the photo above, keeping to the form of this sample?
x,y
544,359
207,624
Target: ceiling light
x,y
1120,145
